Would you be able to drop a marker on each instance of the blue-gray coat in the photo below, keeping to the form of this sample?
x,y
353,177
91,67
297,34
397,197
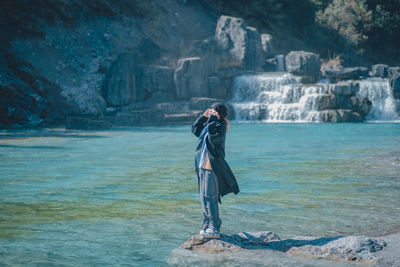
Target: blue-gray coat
x,y
215,145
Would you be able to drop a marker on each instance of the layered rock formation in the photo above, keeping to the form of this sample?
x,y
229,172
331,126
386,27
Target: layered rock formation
x,y
100,67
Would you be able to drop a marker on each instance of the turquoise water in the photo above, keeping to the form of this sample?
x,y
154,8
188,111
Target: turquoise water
x,y
129,197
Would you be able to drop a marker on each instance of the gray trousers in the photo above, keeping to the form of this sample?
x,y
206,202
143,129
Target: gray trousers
x,y
209,199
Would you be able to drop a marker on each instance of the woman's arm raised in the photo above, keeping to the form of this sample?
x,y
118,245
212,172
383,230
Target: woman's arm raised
x,y
198,125
216,130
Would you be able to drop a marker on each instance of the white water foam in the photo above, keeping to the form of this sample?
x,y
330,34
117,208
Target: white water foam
x,y
276,97
280,97
378,91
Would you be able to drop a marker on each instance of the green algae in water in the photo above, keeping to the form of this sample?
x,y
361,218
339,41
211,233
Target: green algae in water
x,y
130,196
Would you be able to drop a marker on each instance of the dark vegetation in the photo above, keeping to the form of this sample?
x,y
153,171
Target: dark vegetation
x,y
361,31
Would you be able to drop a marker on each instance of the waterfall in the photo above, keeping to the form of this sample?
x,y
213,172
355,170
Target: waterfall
x,y
378,91
276,97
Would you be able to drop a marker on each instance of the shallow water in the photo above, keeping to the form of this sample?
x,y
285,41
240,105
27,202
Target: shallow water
x,y
130,196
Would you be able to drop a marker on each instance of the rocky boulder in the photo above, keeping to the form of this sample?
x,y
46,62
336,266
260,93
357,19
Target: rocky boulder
x,y
254,112
219,86
361,105
326,101
379,70
355,249
158,82
120,83
393,71
395,85
87,102
303,63
336,73
340,115
255,56
239,45
352,249
191,78
353,73
344,88
266,42
271,64
231,36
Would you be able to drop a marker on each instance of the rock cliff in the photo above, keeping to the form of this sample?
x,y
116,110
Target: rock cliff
x,y
93,63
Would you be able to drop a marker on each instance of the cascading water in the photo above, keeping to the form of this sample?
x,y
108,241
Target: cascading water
x,y
276,97
378,91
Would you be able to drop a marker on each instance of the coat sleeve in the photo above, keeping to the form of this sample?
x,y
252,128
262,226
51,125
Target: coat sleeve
x,y
198,125
216,130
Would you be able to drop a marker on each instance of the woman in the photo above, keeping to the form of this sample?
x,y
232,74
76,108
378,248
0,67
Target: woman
x,y
215,178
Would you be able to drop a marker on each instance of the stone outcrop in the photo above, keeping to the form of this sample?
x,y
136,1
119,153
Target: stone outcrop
x,y
254,56
379,70
340,115
219,86
395,85
342,104
361,105
230,36
326,101
354,249
344,88
351,249
239,45
337,73
158,82
267,45
74,56
120,84
271,64
27,97
393,71
257,113
191,78
303,63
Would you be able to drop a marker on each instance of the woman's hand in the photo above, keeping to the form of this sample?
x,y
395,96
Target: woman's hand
x,y
207,113
215,113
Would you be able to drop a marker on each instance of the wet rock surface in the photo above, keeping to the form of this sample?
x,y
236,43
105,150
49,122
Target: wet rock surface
x,y
344,249
337,73
303,63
